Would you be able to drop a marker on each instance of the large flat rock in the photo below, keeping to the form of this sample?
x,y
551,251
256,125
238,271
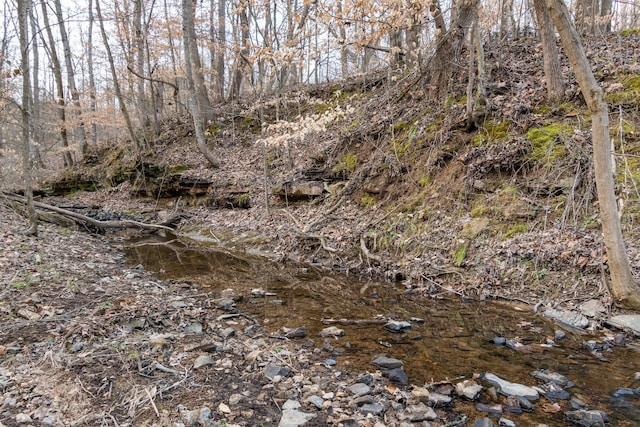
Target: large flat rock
x,y
626,321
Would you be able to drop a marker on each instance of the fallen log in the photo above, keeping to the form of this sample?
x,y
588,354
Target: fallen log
x,y
86,220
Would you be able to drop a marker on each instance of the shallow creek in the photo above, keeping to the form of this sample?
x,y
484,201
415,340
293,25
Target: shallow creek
x,y
455,339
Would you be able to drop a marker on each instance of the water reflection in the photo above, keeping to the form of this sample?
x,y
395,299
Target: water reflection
x,y
455,339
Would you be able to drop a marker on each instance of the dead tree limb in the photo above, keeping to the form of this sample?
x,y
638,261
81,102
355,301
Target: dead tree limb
x,y
83,219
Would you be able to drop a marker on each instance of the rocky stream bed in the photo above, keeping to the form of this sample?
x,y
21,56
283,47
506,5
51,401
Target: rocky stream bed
x,y
88,339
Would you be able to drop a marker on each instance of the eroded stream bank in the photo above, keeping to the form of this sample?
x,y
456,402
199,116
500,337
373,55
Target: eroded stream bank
x,y
443,339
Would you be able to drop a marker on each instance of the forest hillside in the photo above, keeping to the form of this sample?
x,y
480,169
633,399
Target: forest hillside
x,y
373,176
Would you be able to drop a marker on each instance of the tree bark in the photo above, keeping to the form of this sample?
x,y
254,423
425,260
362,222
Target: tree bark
x,y
92,79
187,16
71,81
116,84
23,17
222,47
552,70
192,57
57,74
623,287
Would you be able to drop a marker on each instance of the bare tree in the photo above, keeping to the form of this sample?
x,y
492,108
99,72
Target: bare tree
x,y
71,81
192,57
187,17
57,74
23,17
90,68
551,58
623,286
116,84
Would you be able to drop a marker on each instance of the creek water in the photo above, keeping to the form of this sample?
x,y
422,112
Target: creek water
x,y
454,341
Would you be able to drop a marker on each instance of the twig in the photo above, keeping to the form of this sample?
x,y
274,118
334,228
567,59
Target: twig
x,y
354,321
366,252
153,404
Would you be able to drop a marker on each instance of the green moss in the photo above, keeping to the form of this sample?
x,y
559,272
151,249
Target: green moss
x,y
354,124
425,180
177,169
244,200
630,32
630,94
479,210
347,164
212,130
491,132
367,201
542,110
322,108
514,229
546,142
459,255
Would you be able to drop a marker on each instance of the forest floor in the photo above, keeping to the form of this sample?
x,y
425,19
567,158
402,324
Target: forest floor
x,y
391,189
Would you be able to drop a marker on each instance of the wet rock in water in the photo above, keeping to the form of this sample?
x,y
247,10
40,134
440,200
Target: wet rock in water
x,y
272,370
483,422
551,377
469,389
417,320
626,321
493,410
387,362
372,408
421,412
292,333
511,389
512,405
525,404
331,331
567,317
396,326
506,422
586,418
593,308
499,341
397,376
554,391
203,360
359,389
291,417
559,334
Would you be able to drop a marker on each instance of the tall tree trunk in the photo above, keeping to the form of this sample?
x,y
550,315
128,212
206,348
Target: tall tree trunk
x,y
193,58
242,58
623,287
506,20
71,81
222,46
139,143
92,79
139,37
36,124
174,65
606,8
57,74
552,70
187,17
23,16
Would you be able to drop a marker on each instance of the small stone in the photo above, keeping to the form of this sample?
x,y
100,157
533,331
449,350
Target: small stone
x,y
204,414
77,346
365,379
372,408
23,418
203,360
494,410
194,328
226,304
587,418
551,377
331,331
294,418
235,398
223,408
506,422
483,422
559,334
397,376
421,412
291,404
330,362
620,339
570,318
512,405
512,389
227,332
359,389
387,362
592,308
397,327
499,340
317,401
438,399
292,333
469,389
271,371
525,404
